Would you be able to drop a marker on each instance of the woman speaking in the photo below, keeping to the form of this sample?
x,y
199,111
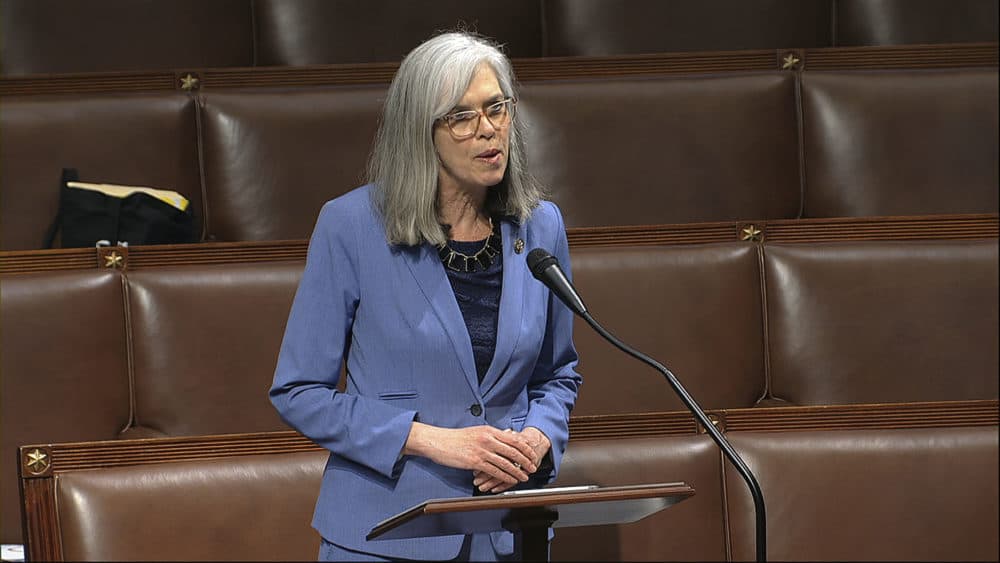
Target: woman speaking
x,y
460,366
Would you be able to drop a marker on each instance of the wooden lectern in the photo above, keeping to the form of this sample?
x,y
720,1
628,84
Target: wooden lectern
x,y
530,513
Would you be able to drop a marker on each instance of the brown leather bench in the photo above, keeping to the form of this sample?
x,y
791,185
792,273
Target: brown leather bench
x,y
674,303
64,365
258,163
243,508
190,349
319,32
862,22
606,27
131,139
204,345
882,321
43,36
870,482
610,27
693,530
268,166
899,142
666,150
273,158
50,36
905,494
598,144
801,324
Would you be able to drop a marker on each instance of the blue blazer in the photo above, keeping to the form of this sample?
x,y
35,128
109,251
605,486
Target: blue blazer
x,y
391,313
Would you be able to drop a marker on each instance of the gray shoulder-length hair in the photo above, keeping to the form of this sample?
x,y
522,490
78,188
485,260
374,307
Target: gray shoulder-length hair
x,y
403,167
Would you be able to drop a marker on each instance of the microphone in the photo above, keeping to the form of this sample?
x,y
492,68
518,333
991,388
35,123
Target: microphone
x,y
546,269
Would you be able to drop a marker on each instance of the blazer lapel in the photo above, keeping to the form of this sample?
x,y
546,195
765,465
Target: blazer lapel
x,y
515,269
425,265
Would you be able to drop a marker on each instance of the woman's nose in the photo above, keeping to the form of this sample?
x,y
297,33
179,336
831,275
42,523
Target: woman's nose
x,y
486,128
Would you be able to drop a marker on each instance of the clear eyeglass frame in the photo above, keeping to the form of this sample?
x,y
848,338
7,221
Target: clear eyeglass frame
x,y
464,124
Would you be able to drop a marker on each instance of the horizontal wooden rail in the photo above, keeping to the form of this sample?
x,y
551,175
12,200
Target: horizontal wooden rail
x,y
41,460
927,227
952,55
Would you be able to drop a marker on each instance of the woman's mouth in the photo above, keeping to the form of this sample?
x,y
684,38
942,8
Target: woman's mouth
x,y
491,156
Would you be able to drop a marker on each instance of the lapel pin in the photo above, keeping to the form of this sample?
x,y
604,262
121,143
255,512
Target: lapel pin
x,y
518,246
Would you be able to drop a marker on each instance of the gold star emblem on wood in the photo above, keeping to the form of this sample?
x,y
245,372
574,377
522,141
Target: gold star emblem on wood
x,y
790,61
750,233
38,461
716,422
189,82
113,260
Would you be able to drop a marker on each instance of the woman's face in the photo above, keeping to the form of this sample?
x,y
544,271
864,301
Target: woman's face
x,y
480,160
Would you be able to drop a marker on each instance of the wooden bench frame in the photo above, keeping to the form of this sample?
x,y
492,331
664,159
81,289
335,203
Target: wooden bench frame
x,y
929,227
40,464
945,55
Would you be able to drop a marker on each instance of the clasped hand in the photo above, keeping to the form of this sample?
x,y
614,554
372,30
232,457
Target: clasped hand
x,y
539,445
499,459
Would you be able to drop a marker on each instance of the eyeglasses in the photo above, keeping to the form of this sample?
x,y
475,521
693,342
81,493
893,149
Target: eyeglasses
x,y
463,124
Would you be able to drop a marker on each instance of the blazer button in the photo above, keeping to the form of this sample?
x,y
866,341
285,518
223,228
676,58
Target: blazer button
x,y
476,409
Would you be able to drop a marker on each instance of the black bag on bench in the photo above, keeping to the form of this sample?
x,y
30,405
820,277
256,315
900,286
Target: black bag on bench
x,y
90,213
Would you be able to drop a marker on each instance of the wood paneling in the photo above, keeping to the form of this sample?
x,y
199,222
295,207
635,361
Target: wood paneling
x,y
937,227
551,68
78,456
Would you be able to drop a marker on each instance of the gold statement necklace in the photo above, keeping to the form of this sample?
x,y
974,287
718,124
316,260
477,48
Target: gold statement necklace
x,y
480,261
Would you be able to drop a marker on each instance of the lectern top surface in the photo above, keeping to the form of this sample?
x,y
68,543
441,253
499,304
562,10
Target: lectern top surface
x,y
571,506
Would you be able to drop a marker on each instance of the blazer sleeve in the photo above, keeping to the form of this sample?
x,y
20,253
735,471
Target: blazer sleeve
x,y
554,383
361,429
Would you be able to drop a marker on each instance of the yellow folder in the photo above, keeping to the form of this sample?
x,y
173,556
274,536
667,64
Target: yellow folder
x,y
167,196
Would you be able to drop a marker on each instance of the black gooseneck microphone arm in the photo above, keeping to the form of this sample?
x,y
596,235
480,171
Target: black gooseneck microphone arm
x,y
546,269
689,402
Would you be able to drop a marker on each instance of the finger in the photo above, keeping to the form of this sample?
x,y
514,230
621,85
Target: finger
x,y
500,442
490,484
522,468
509,459
517,441
525,463
490,467
517,456
509,471
479,477
500,488
539,451
539,454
